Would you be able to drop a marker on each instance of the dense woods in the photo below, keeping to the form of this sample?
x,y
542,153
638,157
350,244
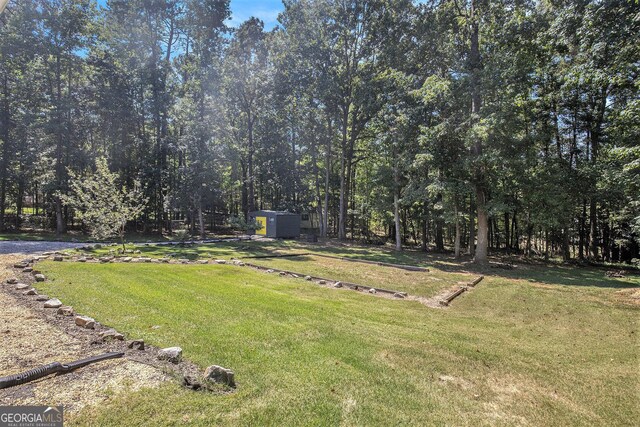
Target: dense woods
x,y
467,125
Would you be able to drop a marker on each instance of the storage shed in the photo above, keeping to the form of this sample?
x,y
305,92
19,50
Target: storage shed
x,y
277,224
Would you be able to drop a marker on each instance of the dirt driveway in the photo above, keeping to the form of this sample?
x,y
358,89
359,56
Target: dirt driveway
x,y
30,247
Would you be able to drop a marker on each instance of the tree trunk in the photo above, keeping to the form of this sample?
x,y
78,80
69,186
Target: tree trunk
x,y
424,229
471,248
203,232
60,223
327,175
507,236
566,254
456,244
250,148
583,225
6,143
396,204
593,218
474,77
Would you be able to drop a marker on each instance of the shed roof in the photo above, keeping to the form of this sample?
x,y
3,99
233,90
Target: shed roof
x,y
277,212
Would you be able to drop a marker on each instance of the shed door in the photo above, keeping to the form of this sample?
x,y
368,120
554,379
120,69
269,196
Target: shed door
x,y
262,221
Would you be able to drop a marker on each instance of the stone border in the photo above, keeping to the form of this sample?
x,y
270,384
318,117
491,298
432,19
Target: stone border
x,y
436,301
319,280
102,337
334,283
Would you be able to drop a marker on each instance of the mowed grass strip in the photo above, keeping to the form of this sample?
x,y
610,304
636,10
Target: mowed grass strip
x,y
424,284
508,353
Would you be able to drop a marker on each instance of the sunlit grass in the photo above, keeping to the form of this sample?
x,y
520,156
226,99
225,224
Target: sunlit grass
x,y
515,350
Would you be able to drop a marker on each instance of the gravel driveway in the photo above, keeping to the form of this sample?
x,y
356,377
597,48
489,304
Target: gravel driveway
x,y
29,247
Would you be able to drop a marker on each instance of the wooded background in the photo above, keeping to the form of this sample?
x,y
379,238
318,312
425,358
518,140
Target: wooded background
x,y
510,125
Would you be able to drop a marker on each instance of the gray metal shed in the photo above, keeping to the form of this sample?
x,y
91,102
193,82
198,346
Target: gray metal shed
x,y
277,224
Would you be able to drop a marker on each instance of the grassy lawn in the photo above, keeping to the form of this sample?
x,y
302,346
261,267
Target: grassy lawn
x,y
531,346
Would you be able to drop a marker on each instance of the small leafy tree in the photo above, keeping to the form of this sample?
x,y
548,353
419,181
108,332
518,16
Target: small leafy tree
x,y
102,203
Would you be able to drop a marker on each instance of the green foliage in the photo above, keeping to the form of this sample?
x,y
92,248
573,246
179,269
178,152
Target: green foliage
x,y
357,111
102,203
241,224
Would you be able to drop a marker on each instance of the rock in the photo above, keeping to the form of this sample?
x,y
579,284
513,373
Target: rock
x,y
203,261
170,354
282,273
399,295
126,259
85,322
40,277
238,263
53,303
58,258
295,276
12,281
322,282
165,260
337,285
27,269
21,286
136,345
189,381
82,259
65,310
111,335
220,375
183,260
137,251
220,261
269,271
30,292
19,265
155,260
372,291
307,277
34,272
42,298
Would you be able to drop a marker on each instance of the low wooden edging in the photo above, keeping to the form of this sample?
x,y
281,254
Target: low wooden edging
x,y
354,286
446,300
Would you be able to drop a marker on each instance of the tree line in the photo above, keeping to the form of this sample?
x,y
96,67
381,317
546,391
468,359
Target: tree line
x,y
508,125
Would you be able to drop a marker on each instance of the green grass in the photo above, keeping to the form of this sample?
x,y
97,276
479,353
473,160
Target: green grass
x,y
522,348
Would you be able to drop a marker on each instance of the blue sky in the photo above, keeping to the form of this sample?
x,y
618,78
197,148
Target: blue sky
x,y
241,10
267,10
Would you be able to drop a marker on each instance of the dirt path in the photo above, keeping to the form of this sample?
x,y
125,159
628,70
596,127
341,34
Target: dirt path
x,y
28,340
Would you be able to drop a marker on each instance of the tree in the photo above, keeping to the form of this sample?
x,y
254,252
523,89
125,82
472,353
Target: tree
x,y
104,205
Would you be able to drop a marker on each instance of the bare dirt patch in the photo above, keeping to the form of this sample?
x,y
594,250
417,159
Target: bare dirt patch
x,y
629,296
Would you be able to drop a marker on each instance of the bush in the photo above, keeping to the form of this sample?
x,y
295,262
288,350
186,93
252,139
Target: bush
x,y
240,224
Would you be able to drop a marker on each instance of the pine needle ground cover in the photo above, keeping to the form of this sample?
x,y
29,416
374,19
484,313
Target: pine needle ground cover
x,y
518,349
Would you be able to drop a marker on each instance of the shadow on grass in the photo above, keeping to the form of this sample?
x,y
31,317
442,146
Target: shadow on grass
x,y
544,273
